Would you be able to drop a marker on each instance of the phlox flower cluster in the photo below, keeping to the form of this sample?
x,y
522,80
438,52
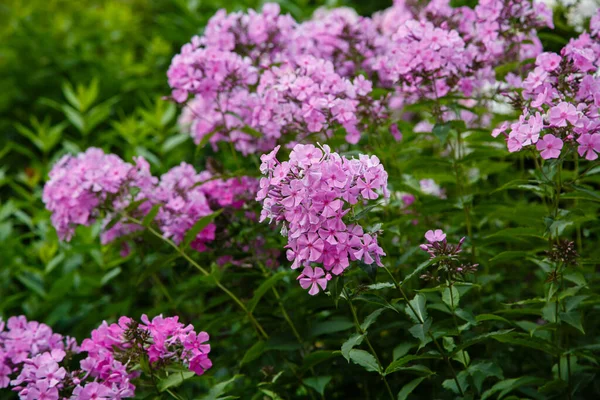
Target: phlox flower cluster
x,y
560,101
80,185
438,50
31,345
437,246
351,42
310,195
256,79
35,362
95,185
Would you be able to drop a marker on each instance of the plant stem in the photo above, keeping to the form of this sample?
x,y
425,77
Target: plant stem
x,y
182,253
456,152
456,321
446,359
286,316
360,330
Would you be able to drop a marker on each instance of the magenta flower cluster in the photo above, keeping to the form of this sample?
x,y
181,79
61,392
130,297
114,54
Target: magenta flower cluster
x,y
93,185
34,361
560,101
310,195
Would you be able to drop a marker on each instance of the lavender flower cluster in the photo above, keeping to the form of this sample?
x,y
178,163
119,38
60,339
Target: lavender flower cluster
x,y
93,184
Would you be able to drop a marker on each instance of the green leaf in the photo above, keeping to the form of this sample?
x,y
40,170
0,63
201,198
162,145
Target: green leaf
x,y
401,362
450,384
418,270
151,215
113,273
380,286
32,284
510,255
481,338
451,297
349,344
509,385
418,311
421,332
519,184
217,390
371,318
528,341
554,387
198,227
491,317
174,379
402,349
331,326
318,383
254,352
482,371
365,360
264,288
572,318
271,394
441,131
576,277
251,131
318,357
408,388
377,300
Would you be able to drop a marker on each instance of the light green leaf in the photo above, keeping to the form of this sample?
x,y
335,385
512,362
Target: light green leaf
x,y
401,362
418,312
451,297
349,344
365,360
450,384
217,390
421,332
202,223
371,318
482,371
151,215
174,379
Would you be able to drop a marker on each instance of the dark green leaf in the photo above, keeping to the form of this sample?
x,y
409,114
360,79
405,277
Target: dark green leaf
x,y
408,388
318,383
254,352
264,288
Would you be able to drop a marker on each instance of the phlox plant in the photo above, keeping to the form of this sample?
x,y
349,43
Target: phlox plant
x,y
402,205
